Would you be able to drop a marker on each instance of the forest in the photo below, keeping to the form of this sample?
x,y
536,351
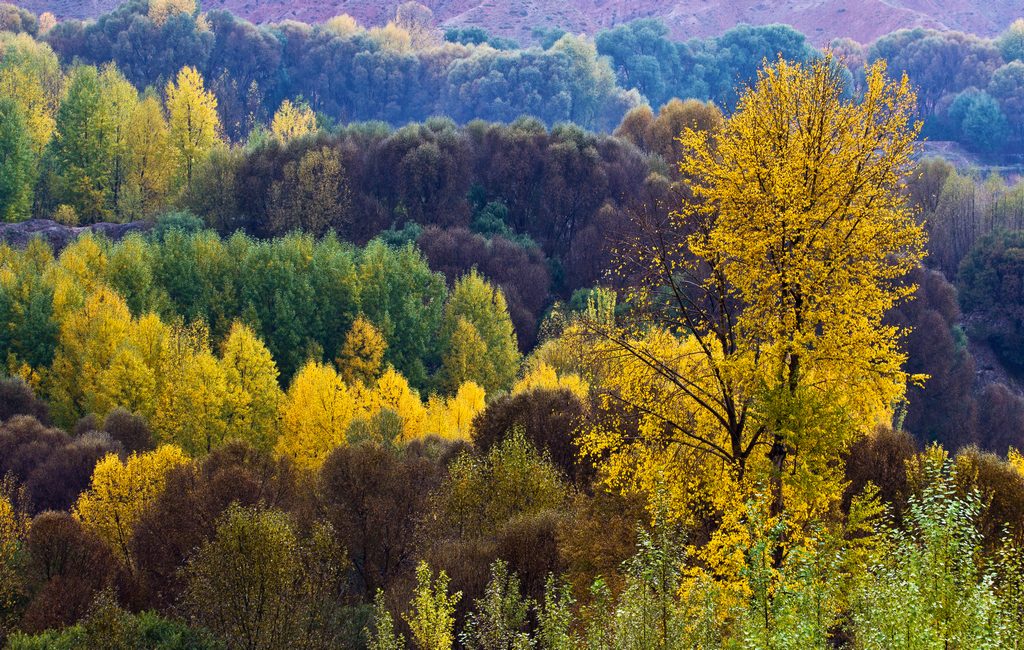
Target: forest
x,y
433,340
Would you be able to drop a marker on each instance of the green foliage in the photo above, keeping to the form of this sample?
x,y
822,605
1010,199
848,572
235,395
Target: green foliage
x,y
432,615
17,163
555,617
82,148
926,586
257,585
649,613
478,335
383,635
991,284
481,495
980,120
28,326
403,299
109,627
499,619
180,220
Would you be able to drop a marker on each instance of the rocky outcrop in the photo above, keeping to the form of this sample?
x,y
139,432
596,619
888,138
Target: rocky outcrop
x,y
58,235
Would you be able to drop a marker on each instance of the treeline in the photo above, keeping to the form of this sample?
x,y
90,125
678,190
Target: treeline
x,y
402,72
970,87
530,207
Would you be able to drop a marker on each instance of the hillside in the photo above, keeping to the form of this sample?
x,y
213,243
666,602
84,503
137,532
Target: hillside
x,y
821,20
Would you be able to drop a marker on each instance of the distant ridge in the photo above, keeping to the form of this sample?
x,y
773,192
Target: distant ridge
x,y
820,20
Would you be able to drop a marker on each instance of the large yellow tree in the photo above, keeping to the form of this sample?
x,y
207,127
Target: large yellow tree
x,y
757,351
194,121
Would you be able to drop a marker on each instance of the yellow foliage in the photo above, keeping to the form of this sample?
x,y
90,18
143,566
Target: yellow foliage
x,y
85,261
293,121
120,491
393,392
192,403
812,247
545,376
90,340
795,239
161,10
151,159
106,359
343,26
1016,460
315,413
252,395
47,21
25,88
452,418
467,403
194,123
362,353
13,529
392,38
66,214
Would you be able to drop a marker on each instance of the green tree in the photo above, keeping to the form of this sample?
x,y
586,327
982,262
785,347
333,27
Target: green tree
x,y
1007,87
982,123
383,635
925,586
17,163
483,494
403,299
499,619
82,149
432,614
257,585
475,305
555,617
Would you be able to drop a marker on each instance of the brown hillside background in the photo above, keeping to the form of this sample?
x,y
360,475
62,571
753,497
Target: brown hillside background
x,y
821,20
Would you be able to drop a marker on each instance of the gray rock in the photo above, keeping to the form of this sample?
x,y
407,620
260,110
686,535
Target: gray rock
x,y
58,235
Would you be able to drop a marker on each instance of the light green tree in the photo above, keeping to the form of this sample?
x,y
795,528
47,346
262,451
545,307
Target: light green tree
x,y
475,305
432,617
